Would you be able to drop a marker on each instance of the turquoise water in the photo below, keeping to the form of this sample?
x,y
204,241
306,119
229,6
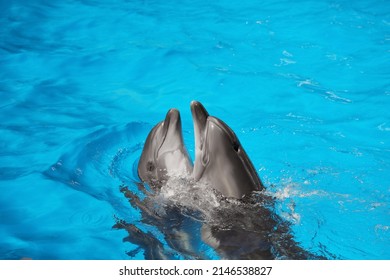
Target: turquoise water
x,y
304,84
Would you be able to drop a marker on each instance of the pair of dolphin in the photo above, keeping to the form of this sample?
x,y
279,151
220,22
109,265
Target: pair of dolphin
x,y
246,230
220,160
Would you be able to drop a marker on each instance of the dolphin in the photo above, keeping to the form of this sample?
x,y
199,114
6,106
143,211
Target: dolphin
x,y
220,159
164,153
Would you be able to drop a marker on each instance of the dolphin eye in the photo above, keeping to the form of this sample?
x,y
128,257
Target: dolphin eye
x,y
236,146
150,166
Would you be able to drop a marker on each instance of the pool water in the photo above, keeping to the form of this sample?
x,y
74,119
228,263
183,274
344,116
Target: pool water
x,y
304,85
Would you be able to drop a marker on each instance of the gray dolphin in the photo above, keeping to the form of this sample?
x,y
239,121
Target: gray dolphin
x,y
164,153
220,159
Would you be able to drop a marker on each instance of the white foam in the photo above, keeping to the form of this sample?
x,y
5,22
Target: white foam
x,y
182,191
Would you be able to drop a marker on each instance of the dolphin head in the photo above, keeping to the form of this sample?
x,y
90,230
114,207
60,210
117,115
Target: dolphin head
x,y
164,152
220,160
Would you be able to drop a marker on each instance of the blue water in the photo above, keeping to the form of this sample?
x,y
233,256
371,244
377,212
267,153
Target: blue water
x,y
304,84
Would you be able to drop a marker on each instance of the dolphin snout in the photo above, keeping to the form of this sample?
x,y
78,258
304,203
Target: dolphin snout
x,y
172,116
199,118
172,122
199,113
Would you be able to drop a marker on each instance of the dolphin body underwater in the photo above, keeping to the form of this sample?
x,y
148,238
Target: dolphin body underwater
x,y
244,229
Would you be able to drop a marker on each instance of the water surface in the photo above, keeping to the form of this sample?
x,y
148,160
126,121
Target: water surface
x,y
304,85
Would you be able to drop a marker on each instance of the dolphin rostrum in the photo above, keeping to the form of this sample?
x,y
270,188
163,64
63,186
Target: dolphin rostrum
x,y
220,159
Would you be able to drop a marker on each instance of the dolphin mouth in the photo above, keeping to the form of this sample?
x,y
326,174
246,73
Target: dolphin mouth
x,y
199,118
171,120
170,127
199,113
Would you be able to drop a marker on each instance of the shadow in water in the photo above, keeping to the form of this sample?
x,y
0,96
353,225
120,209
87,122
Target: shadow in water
x,y
233,229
